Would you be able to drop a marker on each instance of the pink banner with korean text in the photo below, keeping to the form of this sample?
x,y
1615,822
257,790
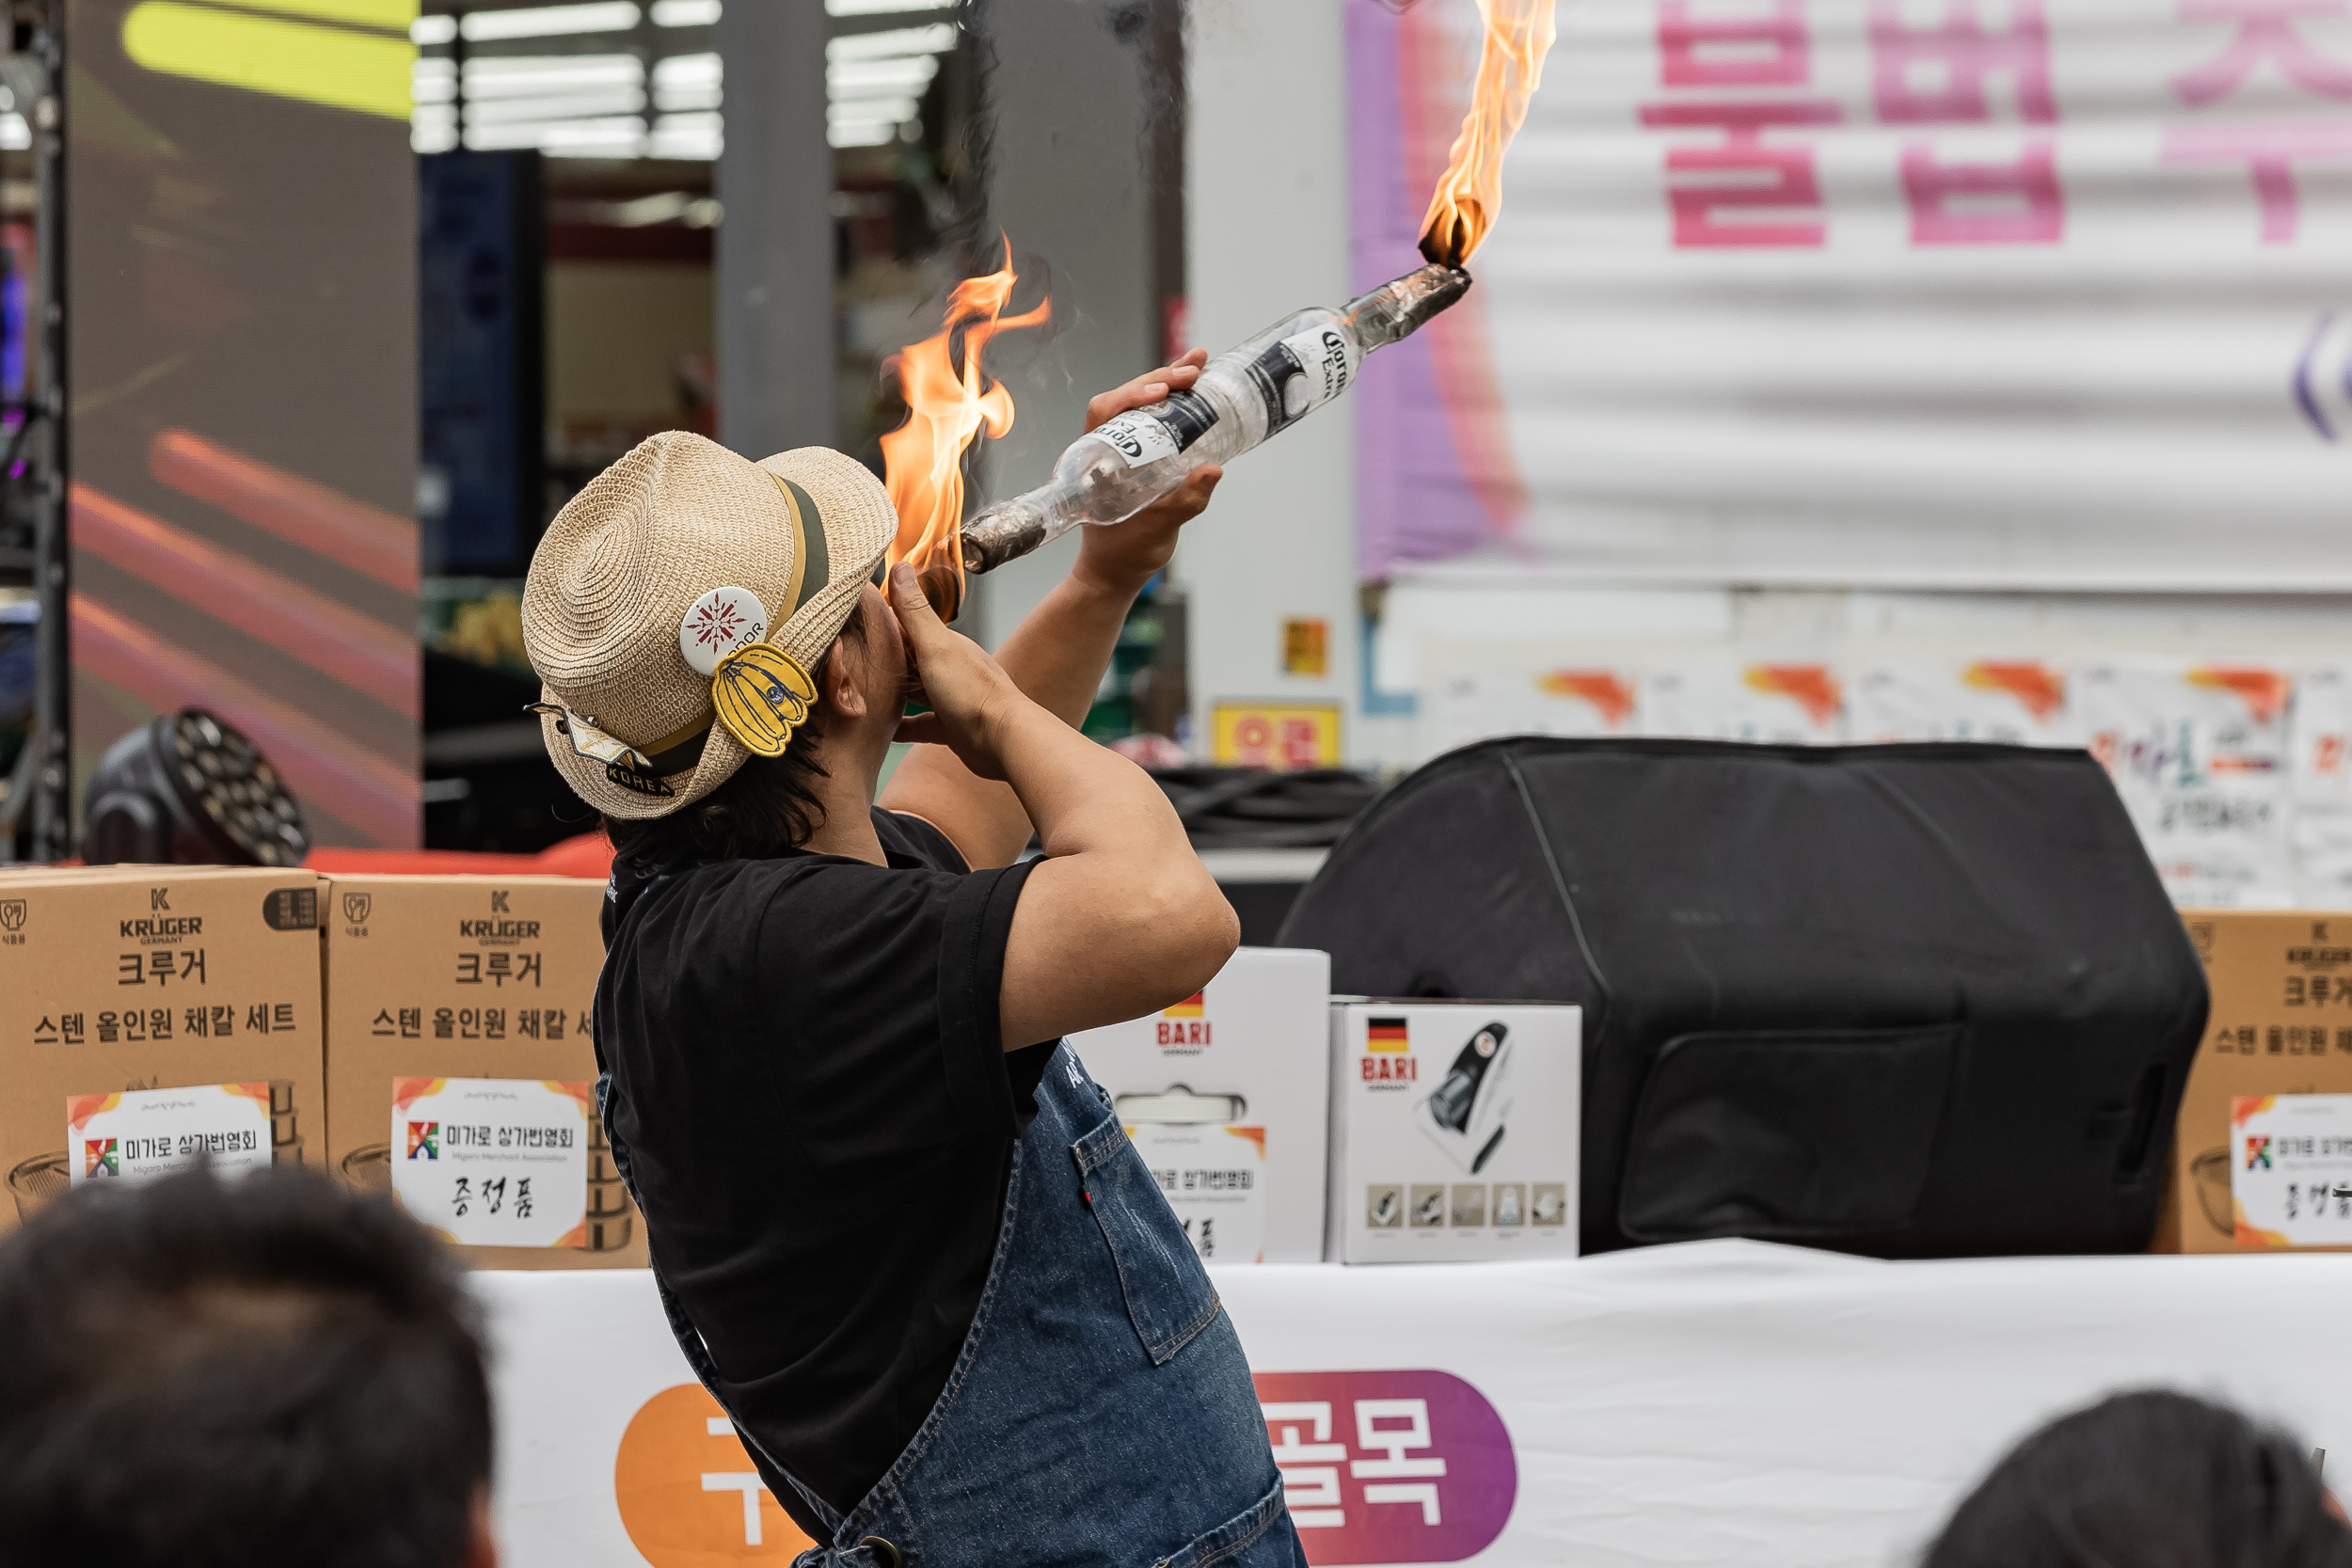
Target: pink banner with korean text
x,y
1952,293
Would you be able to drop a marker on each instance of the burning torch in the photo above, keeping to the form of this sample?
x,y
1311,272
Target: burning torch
x,y
1244,396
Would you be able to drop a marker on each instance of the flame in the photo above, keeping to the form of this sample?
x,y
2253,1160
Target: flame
x,y
949,402
1510,64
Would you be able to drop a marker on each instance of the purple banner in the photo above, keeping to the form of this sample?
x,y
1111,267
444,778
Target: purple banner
x,y
1435,474
1394,1466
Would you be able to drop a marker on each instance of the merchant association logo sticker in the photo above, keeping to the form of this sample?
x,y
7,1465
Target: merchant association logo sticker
x,y
424,1140
1389,1466
98,1157
2257,1152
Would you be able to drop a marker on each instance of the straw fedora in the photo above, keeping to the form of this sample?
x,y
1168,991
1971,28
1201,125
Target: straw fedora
x,y
678,608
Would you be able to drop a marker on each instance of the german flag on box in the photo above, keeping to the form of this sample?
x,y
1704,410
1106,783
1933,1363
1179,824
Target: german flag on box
x,y
1191,1007
1387,1033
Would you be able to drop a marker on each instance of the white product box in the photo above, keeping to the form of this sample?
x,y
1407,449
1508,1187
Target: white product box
x,y
1455,1130
1782,704
2018,702
2200,754
1225,1095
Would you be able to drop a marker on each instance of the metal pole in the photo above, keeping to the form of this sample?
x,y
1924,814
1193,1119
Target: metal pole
x,y
775,236
457,69
53,581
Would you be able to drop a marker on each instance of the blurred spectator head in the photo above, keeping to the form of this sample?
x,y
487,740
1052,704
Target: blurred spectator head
x,y
2150,1480
209,1374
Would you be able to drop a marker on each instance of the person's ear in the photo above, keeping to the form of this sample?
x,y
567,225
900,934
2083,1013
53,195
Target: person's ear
x,y
839,687
481,1547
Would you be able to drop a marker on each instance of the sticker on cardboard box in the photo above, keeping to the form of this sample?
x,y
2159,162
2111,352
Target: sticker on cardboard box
x,y
139,1134
2291,1169
1214,1175
493,1162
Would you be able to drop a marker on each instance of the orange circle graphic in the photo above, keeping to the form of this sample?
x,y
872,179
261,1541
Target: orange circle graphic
x,y
687,1491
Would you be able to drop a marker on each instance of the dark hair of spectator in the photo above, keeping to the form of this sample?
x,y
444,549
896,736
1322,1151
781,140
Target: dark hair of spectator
x,y
273,1373
769,806
2150,1480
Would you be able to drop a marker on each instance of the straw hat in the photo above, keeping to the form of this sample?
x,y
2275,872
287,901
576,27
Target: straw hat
x,y
678,607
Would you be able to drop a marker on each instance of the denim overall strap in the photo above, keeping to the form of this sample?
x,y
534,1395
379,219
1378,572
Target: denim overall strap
x,y
1101,1414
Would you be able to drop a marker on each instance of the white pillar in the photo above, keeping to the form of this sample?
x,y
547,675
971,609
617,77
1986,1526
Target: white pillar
x,y
1266,183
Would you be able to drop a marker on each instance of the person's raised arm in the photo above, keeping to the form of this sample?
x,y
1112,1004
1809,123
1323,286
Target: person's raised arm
x,y
1057,654
1121,919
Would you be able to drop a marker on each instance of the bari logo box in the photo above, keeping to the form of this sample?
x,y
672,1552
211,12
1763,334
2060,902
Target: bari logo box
x,y
1225,1095
154,1019
1454,1131
459,1005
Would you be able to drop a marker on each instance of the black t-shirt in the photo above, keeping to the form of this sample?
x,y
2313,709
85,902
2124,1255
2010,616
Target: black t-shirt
x,y
819,1114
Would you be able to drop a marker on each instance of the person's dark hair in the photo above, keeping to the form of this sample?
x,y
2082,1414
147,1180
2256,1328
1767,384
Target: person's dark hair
x,y
205,1375
767,807
2150,1480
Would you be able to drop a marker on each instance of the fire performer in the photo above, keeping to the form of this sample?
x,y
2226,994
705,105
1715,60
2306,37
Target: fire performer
x,y
898,1231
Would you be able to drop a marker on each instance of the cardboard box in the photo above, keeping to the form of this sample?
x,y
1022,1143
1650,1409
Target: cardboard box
x,y
1226,1095
1454,1131
457,1051
2280,1023
118,982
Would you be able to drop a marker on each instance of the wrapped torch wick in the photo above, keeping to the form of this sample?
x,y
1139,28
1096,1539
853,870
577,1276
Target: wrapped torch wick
x,y
1244,396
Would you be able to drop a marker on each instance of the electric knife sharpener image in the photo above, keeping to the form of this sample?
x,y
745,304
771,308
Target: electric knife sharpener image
x,y
1464,1115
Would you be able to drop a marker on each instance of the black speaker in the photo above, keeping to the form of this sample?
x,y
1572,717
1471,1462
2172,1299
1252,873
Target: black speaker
x,y
1912,1001
190,790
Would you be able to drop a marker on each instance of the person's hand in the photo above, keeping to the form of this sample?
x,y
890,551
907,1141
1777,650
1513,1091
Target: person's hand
x,y
1121,559
970,696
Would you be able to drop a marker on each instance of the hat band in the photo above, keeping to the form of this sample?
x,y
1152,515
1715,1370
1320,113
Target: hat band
x,y
677,752
682,754
811,566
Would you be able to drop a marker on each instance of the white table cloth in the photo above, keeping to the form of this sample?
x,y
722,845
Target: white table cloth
x,y
1721,1402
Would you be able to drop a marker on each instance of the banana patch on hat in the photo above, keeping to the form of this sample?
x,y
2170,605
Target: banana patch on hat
x,y
758,691
679,606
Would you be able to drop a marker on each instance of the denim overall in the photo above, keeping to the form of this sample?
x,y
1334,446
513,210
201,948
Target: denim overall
x,y
1101,1414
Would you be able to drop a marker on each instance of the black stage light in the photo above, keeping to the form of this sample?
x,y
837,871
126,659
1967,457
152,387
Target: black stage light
x,y
189,789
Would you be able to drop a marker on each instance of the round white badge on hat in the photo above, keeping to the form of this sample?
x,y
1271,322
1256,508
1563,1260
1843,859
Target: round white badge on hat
x,y
718,622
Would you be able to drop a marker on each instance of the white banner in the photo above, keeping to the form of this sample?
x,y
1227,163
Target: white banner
x,y
1961,292
1713,1403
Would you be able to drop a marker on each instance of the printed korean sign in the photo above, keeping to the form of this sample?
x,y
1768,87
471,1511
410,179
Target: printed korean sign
x,y
1214,1175
2013,701
2291,1169
1792,704
1282,736
137,1134
1390,1467
1993,293
2199,753
493,1162
687,1493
